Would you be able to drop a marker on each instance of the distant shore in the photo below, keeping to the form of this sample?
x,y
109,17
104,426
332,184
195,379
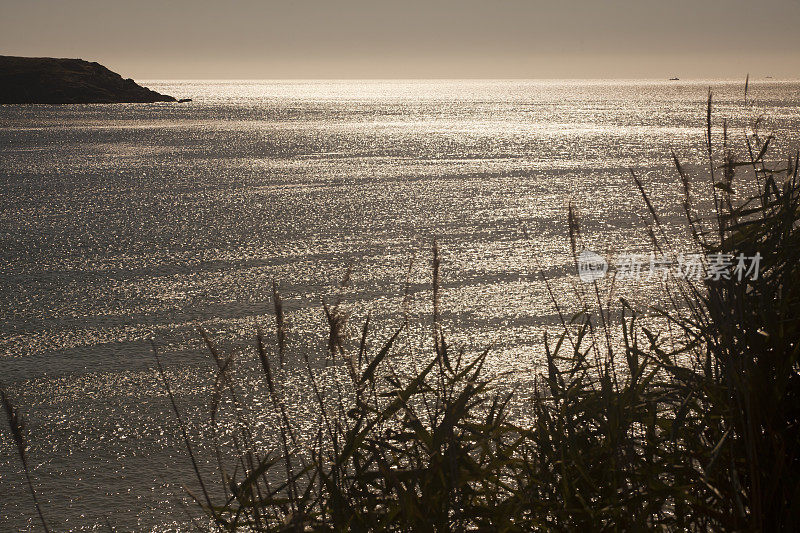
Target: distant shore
x,y
45,80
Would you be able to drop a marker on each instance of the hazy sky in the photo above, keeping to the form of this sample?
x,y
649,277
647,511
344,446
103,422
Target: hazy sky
x,y
411,38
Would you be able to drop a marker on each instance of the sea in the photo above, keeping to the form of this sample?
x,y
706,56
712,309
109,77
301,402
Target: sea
x,y
130,228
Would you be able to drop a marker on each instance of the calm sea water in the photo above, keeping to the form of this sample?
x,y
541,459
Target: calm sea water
x,y
124,223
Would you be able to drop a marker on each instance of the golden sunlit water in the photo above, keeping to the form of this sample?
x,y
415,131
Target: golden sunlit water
x,y
122,223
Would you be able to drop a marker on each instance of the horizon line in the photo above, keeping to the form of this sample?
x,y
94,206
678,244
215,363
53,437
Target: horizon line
x,y
644,78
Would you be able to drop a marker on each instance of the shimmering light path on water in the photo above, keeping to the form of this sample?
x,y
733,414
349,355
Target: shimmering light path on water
x,y
126,222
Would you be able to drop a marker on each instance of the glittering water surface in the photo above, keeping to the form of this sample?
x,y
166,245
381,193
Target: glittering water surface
x,y
123,223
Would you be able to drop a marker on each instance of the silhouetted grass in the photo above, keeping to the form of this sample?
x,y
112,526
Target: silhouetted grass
x,y
18,434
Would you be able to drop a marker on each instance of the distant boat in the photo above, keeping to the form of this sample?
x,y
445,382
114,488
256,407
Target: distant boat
x,y
674,79
769,77
183,100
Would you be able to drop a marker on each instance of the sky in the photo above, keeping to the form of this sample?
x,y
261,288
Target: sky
x,y
250,39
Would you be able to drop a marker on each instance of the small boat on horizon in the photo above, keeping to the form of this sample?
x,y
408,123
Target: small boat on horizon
x,y
674,79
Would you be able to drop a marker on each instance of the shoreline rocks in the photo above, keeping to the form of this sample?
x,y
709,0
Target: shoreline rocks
x,y
46,80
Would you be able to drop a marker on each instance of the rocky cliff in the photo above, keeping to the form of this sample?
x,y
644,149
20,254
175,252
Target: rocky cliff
x,y
45,80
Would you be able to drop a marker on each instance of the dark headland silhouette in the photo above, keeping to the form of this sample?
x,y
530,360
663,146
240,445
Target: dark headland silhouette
x,y
46,80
